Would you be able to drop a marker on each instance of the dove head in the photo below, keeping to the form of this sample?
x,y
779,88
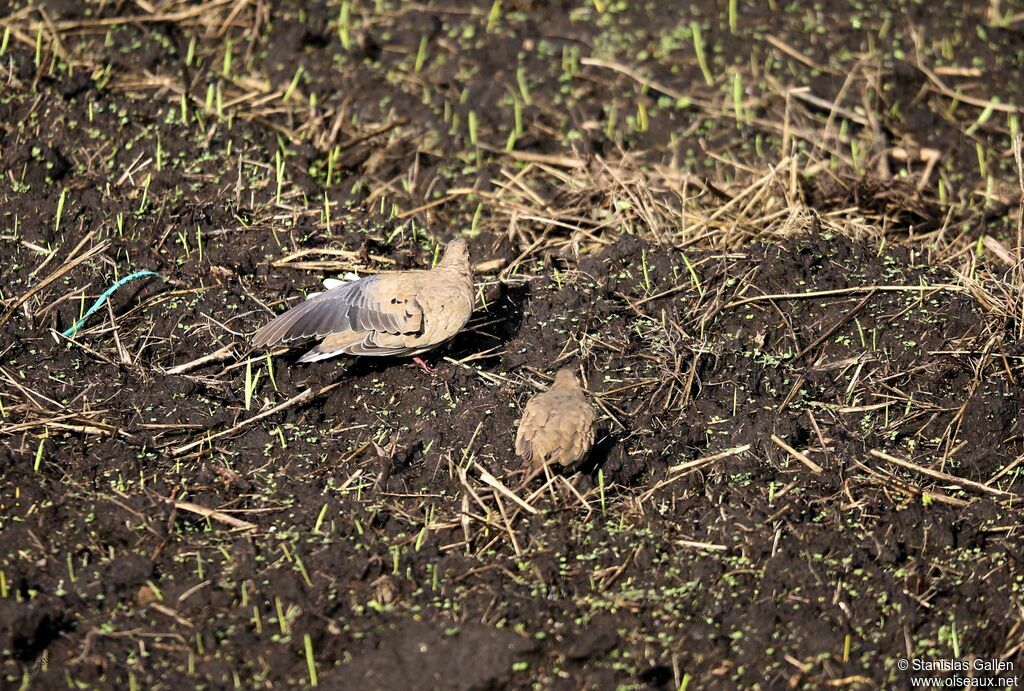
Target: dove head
x,y
565,378
456,254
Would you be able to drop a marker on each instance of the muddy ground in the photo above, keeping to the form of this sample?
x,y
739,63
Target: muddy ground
x,y
798,311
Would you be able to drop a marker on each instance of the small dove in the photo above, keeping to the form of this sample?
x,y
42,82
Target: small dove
x,y
392,313
557,425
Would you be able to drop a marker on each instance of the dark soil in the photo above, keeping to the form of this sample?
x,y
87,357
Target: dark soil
x,y
378,554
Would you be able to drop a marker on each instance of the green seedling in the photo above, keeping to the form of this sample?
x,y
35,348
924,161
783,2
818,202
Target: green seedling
x,y
250,386
282,623
986,114
494,15
279,174
421,54
524,90
302,570
320,519
474,227
39,454
472,123
145,195
294,85
344,25
702,59
694,278
646,271
310,662
60,209
226,66
737,98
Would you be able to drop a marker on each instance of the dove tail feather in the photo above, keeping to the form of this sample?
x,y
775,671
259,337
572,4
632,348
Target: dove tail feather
x,y
524,448
317,353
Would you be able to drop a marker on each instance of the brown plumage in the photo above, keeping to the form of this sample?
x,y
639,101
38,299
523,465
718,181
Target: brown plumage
x,y
395,313
557,425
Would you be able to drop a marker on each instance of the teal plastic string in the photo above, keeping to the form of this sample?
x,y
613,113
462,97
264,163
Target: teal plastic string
x,y
103,298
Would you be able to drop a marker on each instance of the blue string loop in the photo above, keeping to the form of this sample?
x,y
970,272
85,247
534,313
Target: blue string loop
x,y
104,297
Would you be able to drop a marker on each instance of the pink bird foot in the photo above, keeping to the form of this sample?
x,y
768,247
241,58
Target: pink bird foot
x,y
424,366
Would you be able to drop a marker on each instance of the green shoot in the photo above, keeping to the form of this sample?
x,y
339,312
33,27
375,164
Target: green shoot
x,y
494,15
282,623
60,209
344,26
320,519
646,271
524,90
474,227
279,173
472,128
693,275
310,662
737,98
698,46
421,55
291,87
226,67
302,570
39,454
250,384
641,116
270,371
145,195
983,118
183,240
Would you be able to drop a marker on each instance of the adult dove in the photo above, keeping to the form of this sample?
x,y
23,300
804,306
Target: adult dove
x,y
557,425
392,313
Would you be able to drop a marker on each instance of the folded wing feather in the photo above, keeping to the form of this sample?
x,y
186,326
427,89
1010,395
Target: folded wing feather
x,y
381,303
